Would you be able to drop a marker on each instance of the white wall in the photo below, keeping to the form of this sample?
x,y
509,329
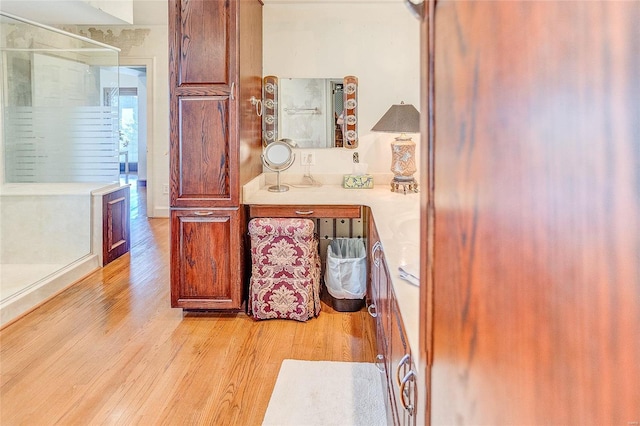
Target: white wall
x,y
377,42
121,9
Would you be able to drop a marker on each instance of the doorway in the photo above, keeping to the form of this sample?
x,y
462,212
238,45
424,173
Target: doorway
x,y
132,108
136,115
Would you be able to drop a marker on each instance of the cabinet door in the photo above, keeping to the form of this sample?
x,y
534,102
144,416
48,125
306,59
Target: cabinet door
x,y
536,238
202,152
202,43
387,324
402,370
378,290
203,112
205,273
115,225
379,308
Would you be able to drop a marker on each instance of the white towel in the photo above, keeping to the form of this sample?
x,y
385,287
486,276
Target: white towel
x,y
410,273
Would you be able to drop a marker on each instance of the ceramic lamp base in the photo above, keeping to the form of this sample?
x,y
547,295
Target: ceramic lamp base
x,y
403,165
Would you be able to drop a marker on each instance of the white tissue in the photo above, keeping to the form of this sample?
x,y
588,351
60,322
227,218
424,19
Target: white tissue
x,y
360,169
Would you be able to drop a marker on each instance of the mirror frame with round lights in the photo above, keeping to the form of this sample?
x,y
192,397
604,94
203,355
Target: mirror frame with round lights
x,y
296,105
278,156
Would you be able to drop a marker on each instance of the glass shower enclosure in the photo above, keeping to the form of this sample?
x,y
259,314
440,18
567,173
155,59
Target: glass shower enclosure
x,y
59,143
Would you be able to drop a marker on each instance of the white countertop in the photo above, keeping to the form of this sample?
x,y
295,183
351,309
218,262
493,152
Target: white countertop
x,y
397,218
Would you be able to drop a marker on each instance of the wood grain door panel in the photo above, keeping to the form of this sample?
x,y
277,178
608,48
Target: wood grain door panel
x,y
392,343
203,155
115,225
206,259
198,61
536,280
401,366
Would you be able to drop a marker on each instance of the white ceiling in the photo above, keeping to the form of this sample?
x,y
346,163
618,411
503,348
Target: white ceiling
x,y
78,12
58,12
145,12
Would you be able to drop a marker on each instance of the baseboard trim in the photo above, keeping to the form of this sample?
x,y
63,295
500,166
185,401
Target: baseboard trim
x,y
160,212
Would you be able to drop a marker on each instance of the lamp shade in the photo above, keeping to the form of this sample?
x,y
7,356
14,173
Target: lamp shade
x,y
400,118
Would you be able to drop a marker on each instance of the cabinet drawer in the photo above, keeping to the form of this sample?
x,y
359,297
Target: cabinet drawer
x,y
304,211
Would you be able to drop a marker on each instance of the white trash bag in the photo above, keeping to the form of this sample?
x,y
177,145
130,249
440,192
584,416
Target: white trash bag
x,y
346,273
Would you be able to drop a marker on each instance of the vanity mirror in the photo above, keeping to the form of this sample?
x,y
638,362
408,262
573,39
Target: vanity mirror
x,y
313,112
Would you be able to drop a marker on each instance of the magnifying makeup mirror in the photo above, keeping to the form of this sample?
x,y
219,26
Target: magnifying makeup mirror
x,y
278,156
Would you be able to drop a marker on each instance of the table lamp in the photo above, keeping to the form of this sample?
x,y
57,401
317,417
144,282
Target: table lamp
x,y
402,118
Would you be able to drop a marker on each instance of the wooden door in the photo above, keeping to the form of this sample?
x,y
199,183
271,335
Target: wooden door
x,y
204,274
116,238
202,43
535,158
203,154
203,114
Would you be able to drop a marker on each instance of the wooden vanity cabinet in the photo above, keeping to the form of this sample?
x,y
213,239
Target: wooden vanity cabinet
x,y
215,67
394,354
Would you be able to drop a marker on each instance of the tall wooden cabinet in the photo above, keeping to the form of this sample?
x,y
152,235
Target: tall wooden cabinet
x,y
531,206
215,60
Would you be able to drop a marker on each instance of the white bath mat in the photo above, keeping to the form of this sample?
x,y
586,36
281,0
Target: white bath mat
x,y
326,393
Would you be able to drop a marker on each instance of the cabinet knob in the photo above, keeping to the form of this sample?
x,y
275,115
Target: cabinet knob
x,y
372,310
304,213
203,213
380,363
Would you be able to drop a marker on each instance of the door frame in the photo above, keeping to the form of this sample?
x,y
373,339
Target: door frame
x,y
149,63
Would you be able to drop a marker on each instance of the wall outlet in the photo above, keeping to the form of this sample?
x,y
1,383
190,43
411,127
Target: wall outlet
x,y
308,158
165,188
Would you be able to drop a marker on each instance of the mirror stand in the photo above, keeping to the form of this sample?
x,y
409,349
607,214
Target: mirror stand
x,y
277,157
277,187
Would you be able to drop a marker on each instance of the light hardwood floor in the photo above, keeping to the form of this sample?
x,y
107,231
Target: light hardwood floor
x,y
110,350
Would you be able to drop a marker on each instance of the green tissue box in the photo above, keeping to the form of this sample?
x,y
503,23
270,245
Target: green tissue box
x,y
358,181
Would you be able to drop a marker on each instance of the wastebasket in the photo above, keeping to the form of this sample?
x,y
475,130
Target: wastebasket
x,y
345,274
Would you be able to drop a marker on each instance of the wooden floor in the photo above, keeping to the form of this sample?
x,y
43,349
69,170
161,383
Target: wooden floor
x,y
110,350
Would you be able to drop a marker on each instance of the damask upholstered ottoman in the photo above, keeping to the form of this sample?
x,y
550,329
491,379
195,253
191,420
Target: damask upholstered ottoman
x,y
285,269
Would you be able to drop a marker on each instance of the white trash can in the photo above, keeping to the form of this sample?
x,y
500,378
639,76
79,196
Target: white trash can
x,y
346,273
